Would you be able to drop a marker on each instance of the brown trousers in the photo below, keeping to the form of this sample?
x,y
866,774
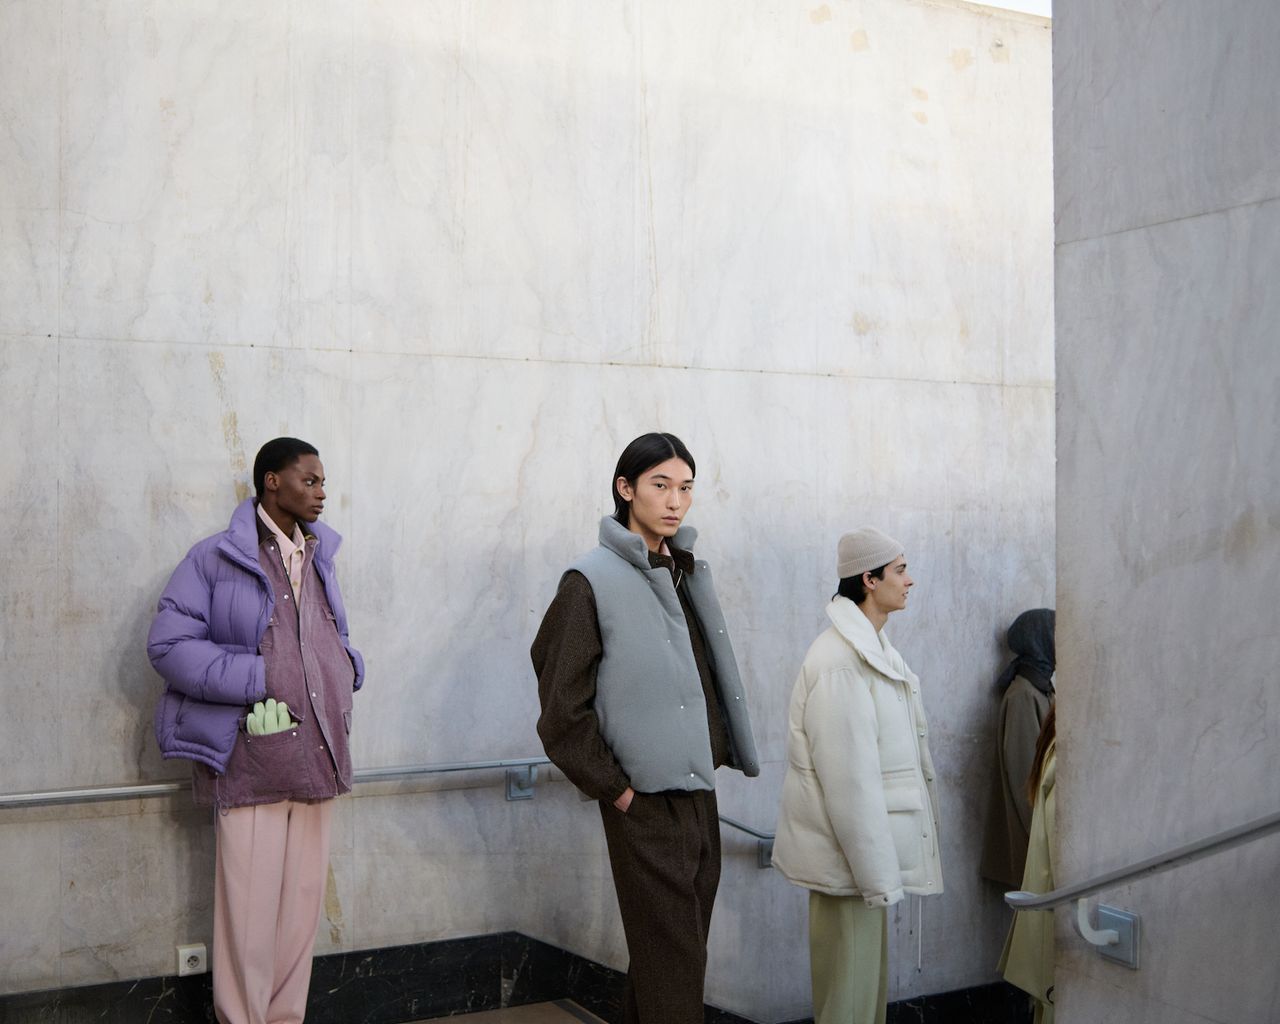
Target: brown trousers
x,y
665,856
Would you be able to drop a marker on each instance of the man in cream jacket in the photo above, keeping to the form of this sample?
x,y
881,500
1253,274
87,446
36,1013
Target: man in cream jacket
x,y
859,820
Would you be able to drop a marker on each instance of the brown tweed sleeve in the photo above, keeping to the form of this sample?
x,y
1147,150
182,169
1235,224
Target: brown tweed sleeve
x,y
566,653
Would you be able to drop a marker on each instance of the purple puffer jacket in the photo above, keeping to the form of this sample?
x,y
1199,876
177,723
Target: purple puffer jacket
x,y
204,640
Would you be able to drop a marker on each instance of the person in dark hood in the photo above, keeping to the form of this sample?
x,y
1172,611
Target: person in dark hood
x,y
1027,684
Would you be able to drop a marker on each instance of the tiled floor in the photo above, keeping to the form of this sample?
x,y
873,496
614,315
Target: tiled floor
x,y
562,1011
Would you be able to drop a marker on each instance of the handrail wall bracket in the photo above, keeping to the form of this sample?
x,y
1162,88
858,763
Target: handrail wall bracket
x,y
764,840
1117,935
1122,923
520,782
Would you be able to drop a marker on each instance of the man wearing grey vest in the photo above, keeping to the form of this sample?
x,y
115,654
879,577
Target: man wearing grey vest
x,y
641,702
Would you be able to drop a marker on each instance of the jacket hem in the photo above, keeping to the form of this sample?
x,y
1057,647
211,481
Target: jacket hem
x,y
193,755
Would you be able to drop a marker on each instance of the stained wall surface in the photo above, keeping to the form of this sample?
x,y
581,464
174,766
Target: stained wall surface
x,y
470,250
1168,364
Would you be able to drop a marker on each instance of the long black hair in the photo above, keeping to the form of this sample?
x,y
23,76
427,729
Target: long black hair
x,y
640,456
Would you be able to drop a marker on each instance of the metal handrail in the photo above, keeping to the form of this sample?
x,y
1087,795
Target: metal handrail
x,y
734,823
1145,868
519,787
99,794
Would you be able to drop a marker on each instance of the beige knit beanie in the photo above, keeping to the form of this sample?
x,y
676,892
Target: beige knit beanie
x,y
864,550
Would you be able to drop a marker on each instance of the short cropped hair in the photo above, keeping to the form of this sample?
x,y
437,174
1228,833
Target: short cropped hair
x,y
854,589
276,455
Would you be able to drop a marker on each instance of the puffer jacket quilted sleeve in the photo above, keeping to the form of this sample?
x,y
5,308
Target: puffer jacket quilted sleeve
x,y
180,647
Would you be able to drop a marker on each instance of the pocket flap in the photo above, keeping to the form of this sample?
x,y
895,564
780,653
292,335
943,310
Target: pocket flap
x,y
903,798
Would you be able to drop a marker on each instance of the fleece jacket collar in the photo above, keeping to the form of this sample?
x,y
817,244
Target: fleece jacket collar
x,y
855,627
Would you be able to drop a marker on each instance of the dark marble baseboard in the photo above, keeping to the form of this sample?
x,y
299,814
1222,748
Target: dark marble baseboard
x,y
983,1004
436,979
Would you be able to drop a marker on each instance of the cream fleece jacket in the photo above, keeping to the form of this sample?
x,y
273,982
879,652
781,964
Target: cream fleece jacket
x,y
859,812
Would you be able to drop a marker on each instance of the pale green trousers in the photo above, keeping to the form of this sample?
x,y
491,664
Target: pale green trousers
x,y
848,960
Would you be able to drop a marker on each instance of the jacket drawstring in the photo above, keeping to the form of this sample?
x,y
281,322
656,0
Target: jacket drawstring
x,y
919,933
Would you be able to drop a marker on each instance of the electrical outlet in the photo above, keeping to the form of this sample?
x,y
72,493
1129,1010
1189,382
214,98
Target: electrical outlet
x,y
192,959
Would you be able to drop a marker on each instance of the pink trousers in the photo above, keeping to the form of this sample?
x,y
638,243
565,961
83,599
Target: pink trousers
x,y
269,884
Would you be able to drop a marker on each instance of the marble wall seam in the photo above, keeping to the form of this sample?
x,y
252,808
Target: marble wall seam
x,y
980,382
1258,204
1119,160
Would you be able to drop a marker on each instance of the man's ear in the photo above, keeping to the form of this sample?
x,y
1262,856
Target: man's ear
x,y
624,488
271,481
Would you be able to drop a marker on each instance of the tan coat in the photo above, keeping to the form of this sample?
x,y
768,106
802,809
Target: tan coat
x,y
1027,960
1004,851
859,810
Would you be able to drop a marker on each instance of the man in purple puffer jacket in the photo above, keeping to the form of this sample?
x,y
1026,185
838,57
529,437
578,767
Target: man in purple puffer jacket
x,y
254,614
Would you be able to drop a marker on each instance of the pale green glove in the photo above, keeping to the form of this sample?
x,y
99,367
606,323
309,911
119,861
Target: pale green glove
x,y
268,718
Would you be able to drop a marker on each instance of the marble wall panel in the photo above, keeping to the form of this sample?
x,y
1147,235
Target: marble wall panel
x,y
321,152
565,893
1168,534
1164,114
175,171
136,883
1194,500
406,280
31,894
508,239
644,161
494,142
337,919
29,168
897,253
28,604
439,865
549,224
157,458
